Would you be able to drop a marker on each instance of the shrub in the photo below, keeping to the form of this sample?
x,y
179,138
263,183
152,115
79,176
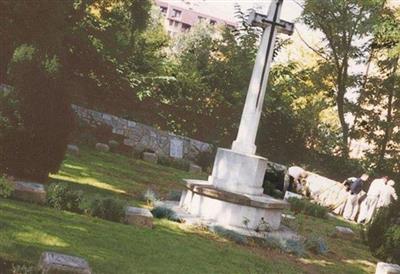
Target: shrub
x,y
175,163
37,118
308,208
150,197
6,187
316,245
205,159
383,234
287,245
60,196
103,207
229,234
165,213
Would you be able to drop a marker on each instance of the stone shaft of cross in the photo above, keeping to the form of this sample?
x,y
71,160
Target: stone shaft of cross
x,y
245,141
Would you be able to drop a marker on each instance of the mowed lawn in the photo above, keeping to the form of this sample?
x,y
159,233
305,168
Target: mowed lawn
x,y
26,230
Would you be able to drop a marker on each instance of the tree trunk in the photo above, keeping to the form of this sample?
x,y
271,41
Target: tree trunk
x,y
341,86
389,117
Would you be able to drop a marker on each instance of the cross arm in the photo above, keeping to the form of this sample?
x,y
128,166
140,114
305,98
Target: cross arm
x,y
261,20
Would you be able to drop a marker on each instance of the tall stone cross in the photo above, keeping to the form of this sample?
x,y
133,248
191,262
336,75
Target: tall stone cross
x,y
271,24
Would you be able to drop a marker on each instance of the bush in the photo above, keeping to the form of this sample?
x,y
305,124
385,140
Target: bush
x,y
104,207
229,234
150,197
383,234
316,245
165,213
6,187
306,207
205,159
36,119
60,196
175,163
290,246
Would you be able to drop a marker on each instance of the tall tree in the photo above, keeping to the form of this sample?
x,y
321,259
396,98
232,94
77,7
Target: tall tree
x,y
341,23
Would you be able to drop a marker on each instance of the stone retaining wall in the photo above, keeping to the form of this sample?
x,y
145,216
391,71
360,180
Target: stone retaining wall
x,y
139,135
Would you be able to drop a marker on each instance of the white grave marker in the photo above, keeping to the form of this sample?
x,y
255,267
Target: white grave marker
x,y
176,148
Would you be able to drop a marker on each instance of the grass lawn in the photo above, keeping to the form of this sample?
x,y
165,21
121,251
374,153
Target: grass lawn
x,y
26,230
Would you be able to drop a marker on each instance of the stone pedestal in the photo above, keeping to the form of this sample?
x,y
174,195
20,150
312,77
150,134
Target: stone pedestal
x,y
55,263
137,216
29,192
237,172
385,268
202,199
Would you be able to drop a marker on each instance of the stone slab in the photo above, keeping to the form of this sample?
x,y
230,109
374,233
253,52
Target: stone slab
x,y
57,263
102,147
344,232
289,194
260,201
73,150
137,216
195,169
385,268
29,192
150,157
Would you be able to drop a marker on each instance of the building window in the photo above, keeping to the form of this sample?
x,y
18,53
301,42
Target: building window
x,y
213,22
163,10
176,13
185,27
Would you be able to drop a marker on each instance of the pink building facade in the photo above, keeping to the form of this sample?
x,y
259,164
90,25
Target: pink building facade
x,y
179,19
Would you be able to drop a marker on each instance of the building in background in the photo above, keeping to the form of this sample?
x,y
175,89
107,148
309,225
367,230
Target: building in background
x,y
180,16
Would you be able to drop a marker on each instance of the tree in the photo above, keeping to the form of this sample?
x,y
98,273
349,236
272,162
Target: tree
x,y
341,22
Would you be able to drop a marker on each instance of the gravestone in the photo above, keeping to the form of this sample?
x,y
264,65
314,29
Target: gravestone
x,y
56,263
102,147
344,232
385,268
137,216
150,157
73,150
233,194
29,192
289,194
176,148
193,168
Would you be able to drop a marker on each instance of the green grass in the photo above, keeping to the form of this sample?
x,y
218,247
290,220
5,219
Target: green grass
x,y
26,230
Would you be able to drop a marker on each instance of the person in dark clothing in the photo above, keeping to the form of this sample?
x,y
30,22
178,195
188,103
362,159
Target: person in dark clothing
x,y
352,204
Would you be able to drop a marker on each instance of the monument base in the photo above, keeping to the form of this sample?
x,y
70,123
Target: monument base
x,y
254,212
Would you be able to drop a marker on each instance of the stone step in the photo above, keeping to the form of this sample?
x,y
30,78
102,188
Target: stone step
x,y
29,192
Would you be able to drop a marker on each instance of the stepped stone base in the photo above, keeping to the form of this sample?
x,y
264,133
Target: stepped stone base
x,y
56,263
385,268
254,212
29,192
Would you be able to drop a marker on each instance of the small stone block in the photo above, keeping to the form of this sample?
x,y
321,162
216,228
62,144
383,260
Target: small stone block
x,y
29,192
73,150
194,169
56,263
344,232
141,217
289,194
385,268
150,157
102,147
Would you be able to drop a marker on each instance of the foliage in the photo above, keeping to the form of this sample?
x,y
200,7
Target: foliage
x,y
60,196
6,187
229,234
316,244
107,208
164,213
308,208
205,159
150,196
383,234
175,163
287,245
36,124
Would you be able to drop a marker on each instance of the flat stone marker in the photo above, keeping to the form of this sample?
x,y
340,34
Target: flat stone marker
x,y
194,169
56,263
344,232
73,149
150,157
385,268
141,217
289,194
102,147
29,192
